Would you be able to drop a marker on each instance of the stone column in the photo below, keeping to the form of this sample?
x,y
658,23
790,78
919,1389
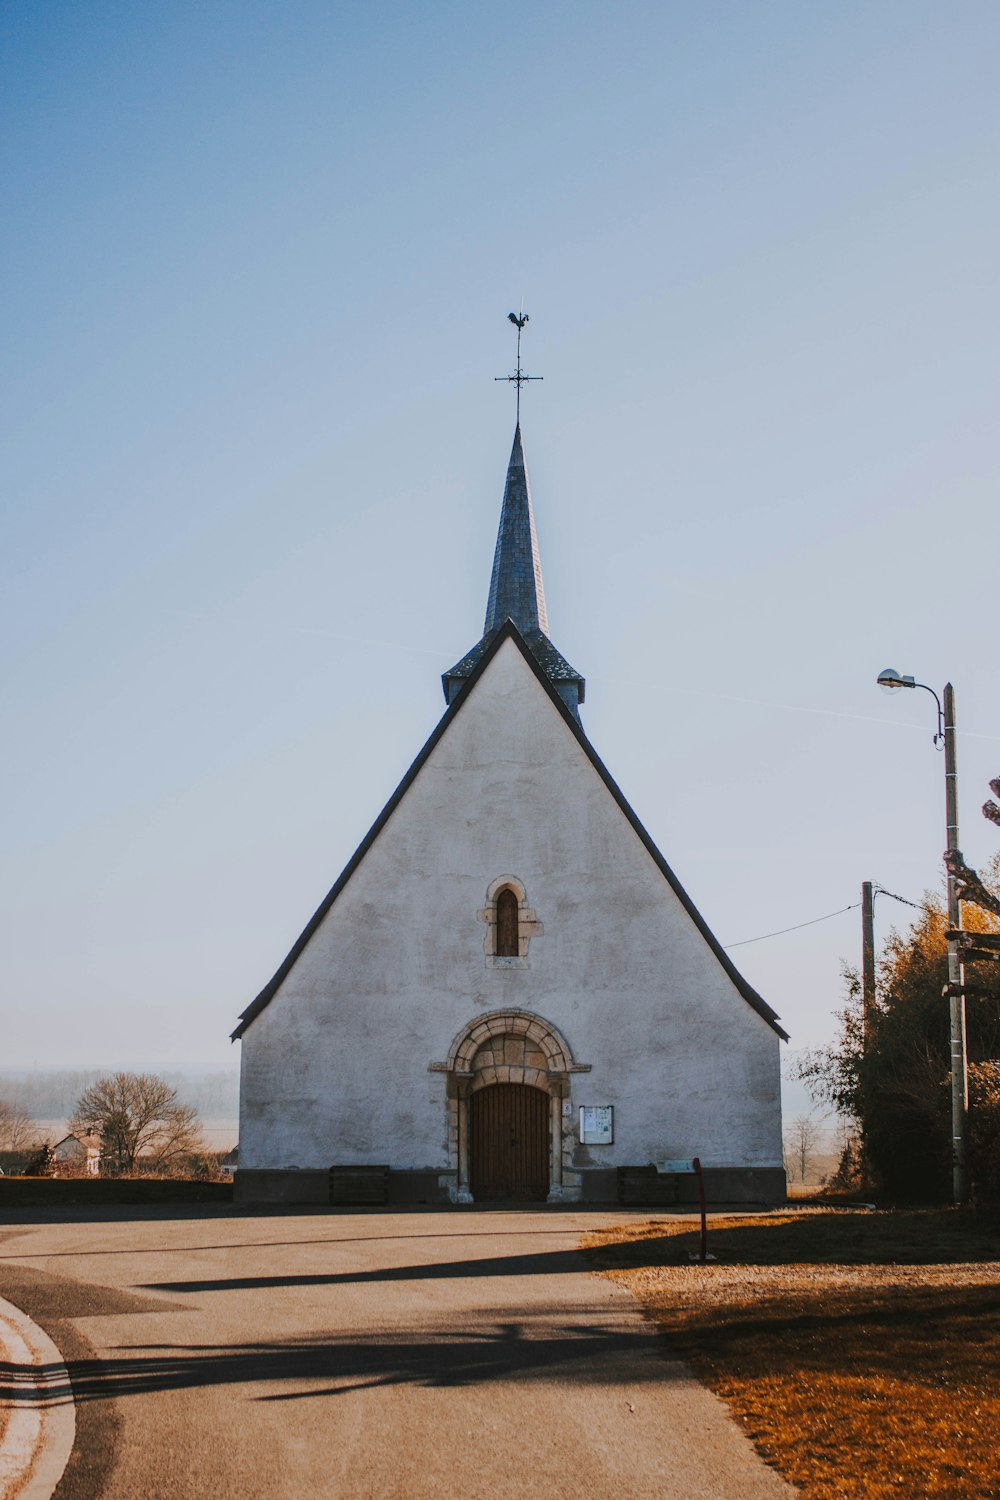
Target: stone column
x,y
555,1145
463,1193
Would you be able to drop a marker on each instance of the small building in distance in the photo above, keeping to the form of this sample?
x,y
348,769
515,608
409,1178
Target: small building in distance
x,y
507,995
77,1155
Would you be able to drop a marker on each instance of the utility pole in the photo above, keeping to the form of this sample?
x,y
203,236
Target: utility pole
x,y
956,974
891,681
867,995
867,959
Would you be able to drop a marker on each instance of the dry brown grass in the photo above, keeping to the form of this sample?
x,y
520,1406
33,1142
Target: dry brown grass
x,y
860,1351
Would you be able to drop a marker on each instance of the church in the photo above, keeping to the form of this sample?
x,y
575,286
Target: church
x,y
507,995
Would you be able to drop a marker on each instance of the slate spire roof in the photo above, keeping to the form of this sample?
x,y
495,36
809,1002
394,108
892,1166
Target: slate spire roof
x,y
516,589
517,592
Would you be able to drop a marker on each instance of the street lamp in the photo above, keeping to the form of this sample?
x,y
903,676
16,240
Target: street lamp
x,y
891,682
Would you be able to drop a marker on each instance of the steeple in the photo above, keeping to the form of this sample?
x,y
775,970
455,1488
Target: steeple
x,y
516,589
517,592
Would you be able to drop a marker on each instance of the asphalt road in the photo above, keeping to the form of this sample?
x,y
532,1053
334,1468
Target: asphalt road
x,y
353,1355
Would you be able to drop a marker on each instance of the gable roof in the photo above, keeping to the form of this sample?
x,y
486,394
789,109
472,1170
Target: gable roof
x,y
89,1143
552,662
507,631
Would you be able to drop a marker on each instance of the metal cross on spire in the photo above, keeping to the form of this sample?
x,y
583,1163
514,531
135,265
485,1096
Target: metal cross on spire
x,y
519,379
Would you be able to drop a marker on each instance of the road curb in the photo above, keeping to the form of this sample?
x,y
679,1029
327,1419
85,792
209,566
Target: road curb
x,y
41,1425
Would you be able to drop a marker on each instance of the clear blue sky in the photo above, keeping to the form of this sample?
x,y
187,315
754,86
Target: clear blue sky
x,y
256,263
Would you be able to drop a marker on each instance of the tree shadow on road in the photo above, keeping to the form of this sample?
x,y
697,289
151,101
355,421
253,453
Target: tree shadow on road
x,y
543,1262
582,1352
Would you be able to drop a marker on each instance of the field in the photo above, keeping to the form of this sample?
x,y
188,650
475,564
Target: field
x,y
859,1350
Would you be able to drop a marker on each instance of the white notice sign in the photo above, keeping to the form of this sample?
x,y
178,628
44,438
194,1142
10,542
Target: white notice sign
x,y
597,1124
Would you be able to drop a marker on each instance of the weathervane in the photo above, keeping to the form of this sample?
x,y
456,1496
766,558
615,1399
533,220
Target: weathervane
x,y
519,320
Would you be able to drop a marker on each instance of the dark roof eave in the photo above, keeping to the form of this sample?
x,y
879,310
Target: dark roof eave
x,y
509,631
551,660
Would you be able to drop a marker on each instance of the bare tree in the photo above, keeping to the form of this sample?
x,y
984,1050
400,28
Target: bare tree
x,y
18,1131
139,1121
801,1142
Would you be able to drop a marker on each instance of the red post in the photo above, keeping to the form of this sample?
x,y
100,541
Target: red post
x,y
703,1256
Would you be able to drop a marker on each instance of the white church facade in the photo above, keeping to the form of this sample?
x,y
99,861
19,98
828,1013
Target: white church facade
x,y
507,995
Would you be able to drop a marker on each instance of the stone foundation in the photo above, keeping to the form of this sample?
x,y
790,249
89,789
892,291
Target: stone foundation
x,y
597,1185
722,1185
277,1185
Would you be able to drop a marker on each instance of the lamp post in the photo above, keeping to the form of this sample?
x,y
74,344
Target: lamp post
x,y
891,682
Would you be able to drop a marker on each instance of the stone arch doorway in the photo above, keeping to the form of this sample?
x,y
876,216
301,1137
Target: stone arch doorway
x,y
509,1147
510,1048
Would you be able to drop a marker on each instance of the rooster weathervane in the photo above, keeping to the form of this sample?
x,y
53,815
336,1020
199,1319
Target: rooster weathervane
x,y
518,378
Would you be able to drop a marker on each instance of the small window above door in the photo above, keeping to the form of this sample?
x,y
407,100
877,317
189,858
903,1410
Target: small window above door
x,y
506,935
510,924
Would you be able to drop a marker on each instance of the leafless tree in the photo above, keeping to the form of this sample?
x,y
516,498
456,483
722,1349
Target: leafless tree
x,y
802,1137
18,1131
140,1123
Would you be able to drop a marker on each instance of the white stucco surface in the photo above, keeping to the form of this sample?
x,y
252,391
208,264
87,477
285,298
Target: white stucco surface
x,y
336,1067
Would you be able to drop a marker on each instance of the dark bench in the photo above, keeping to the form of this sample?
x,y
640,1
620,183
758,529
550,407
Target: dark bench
x,y
646,1187
359,1185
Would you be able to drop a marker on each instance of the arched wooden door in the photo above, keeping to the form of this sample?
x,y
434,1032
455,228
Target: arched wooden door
x,y
509,1145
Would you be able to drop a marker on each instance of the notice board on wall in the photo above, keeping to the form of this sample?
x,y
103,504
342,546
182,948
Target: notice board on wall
x,y
597,1124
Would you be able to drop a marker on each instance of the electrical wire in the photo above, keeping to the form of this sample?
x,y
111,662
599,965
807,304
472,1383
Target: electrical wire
x,y
880,890
782,930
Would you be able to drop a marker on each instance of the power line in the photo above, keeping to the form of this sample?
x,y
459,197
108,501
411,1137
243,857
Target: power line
x,y
782,930
880,890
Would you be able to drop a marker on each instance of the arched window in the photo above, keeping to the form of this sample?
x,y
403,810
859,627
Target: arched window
x,y
506,940
510,924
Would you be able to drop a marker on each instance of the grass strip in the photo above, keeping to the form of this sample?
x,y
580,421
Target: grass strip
x,y
859,1351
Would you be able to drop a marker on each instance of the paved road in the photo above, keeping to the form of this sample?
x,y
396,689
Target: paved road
x,y
350,1356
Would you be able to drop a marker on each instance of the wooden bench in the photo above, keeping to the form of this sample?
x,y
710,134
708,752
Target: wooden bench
x,y
646,1187
358,1186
